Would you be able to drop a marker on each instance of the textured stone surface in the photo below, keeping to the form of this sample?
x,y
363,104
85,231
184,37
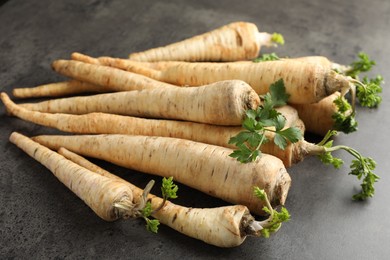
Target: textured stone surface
x,y
40,218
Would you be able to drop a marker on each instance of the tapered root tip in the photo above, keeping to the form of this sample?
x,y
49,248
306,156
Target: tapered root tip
x,y
84,58
6,101
54,65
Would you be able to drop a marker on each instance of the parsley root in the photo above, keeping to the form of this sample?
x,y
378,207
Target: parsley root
x,y
58,89
367,90
226,226
336,113
307,79
235,41
101,123
221,103
98,192
207,168
305,82
90,77
331,113
108,77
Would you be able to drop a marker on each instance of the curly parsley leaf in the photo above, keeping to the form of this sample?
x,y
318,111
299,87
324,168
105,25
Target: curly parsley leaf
x,y
362,167
168,188
267,57
276,218
344,118
277,38
152,225
327,157
368,93
363,64
368,90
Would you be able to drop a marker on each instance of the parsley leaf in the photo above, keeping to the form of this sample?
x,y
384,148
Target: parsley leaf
x,y
277,38
368,93
244,154
368,90
152,225
144,208
327,158
147,210
168,188
276,218
362,167
267,57
264,119
291,134
277,95
364,64
344,118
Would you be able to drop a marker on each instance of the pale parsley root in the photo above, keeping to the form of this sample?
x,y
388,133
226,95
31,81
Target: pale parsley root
x,y
144,208
270,225
367,91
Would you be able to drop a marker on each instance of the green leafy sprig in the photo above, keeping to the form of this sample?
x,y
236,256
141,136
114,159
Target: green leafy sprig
x,y
277,38
260,121
368,90
144,209
344,117
267,57
273,223
363,64
362,167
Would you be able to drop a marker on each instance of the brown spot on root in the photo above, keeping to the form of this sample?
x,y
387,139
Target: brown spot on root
x,y
188,211
226,176
174,217
279,195
238,38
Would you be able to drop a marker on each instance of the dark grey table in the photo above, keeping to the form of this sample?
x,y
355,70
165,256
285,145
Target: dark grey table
x,y
40,218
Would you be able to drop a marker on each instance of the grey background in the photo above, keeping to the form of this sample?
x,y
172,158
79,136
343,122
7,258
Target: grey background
x,y
40,218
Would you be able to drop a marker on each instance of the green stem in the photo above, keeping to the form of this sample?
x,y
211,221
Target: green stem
x,y
273,223
361,166
328,135
261,140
